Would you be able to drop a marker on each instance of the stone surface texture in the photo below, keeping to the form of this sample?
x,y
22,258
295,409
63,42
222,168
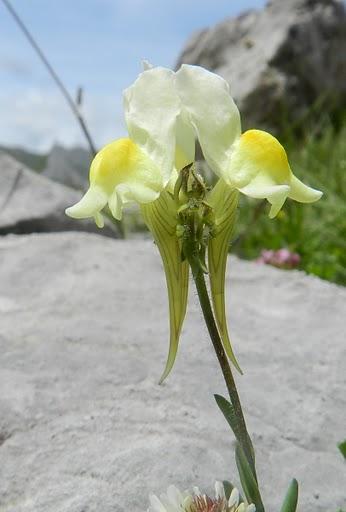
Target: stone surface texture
x,y
30,202
84,427
69,166
280,61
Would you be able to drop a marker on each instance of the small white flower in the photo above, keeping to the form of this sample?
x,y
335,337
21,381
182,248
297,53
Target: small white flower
x,y
176,501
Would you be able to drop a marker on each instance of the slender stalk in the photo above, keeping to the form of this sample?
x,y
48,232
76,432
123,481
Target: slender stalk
x,y
243,435
217,344
220,354
196,223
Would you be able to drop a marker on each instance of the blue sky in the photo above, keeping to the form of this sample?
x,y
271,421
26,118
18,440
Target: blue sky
x,y
98,44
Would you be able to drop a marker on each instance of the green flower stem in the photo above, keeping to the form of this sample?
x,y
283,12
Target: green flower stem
x,y
243,437
196,226
220,353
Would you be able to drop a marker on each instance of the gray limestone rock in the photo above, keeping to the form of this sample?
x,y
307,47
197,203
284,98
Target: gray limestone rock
x,y
68,166
84,425
32,203
281,62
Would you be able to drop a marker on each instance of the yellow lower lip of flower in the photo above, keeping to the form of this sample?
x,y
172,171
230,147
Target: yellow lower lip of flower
x,y
259,153
115,163
120,172
266,149
259,168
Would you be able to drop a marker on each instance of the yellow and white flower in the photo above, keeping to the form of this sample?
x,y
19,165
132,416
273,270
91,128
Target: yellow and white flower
x,y
165,113
176,501
255,163
138,168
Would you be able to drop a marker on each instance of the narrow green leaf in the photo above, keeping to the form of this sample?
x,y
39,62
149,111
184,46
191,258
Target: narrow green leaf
x,y
242,437
291,498
247,479
227,410
224,201
161,218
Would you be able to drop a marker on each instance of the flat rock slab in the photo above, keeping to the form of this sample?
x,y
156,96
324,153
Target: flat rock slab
x,y
29,202
84,426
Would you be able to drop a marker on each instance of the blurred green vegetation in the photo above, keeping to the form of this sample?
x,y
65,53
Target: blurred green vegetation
x,y
317,232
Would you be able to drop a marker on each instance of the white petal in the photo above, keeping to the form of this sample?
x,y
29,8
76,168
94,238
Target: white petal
x,y
115,205
206,98
137,192
91,203
186,505
303,193
276,192
99,220
151,109
251,508
155,504
146,64
175,496
185,143
219,490
171,184
197,491
234,498
276,204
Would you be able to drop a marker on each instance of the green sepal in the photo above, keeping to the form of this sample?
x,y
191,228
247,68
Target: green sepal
x,y
224,200
247,479
161,218
228,486
291,498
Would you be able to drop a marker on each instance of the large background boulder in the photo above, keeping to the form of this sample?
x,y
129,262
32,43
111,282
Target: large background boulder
x,y
282,62
69,166
30,202
84,425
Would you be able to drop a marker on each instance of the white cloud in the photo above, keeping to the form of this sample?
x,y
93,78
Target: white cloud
x,y
102,52
38,118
